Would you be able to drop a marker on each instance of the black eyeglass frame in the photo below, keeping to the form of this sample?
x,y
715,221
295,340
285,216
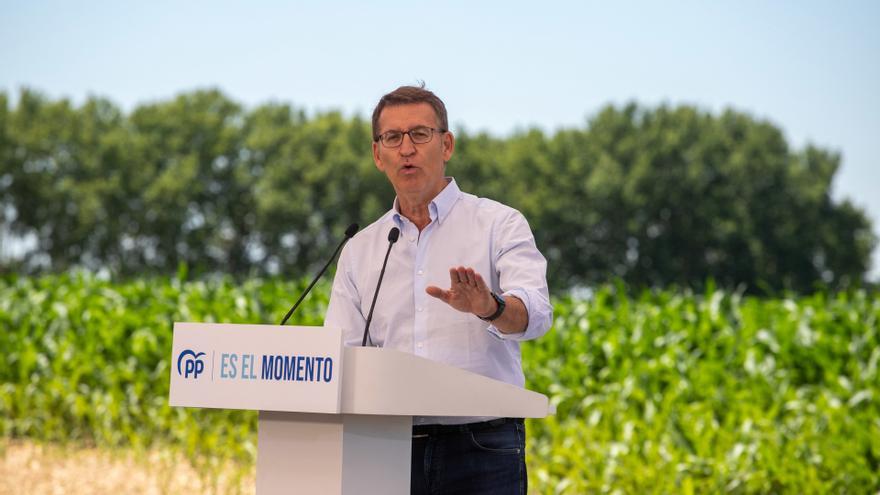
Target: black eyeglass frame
x,y
381,137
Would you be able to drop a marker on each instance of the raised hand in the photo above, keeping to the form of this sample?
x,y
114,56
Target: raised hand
x,y
467,293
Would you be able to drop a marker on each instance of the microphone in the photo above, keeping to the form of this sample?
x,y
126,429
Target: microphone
x,y
392,238
349,233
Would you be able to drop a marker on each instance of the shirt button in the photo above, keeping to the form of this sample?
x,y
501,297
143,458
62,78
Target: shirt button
x,y
421,272
420,310
419,345
412,239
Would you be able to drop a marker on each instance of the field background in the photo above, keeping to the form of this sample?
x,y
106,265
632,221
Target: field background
x,y
698,176
659,392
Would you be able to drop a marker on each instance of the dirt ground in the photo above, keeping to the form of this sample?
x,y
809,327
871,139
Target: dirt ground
x,y
28,468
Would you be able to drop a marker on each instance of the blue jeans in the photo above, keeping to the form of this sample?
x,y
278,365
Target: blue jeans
x,y
477,458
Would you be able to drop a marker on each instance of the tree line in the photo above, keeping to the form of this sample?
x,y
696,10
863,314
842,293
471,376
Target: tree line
x,y
654,196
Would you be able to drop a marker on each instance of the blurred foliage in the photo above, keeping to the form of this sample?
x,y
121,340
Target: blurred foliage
x,y
665,392
671,392
654,196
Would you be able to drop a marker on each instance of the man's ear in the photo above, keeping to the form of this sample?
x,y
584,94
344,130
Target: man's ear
x,y
448,145
376,159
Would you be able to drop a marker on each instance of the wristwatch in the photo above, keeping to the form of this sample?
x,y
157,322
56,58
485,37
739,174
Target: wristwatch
x,y
501,304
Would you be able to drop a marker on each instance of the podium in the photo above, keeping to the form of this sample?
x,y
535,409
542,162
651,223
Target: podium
x,y
332,419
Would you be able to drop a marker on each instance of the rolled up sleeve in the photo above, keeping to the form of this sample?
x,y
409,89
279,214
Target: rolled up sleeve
x,y
522,272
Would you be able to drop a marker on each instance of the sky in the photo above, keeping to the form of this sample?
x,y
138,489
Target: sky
x,y
811,68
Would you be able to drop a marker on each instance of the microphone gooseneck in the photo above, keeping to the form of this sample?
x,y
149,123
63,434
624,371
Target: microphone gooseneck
x,y
392,238
349,233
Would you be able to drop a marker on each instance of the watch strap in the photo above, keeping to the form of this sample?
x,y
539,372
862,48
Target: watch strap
x,y
501,305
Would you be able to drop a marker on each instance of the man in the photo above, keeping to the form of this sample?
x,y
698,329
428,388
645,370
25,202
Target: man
x,y
497,294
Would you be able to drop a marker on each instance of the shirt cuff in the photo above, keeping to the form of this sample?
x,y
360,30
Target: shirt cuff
x,y
532,330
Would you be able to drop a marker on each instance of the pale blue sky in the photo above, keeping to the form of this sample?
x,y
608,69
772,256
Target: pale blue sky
x,y
812,68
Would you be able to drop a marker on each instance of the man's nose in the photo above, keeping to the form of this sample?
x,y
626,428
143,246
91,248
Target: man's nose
x,y
407,147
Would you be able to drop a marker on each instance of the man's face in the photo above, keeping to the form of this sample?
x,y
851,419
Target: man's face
x,y
416,171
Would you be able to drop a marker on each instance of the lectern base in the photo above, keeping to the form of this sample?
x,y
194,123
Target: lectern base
x,y
333,453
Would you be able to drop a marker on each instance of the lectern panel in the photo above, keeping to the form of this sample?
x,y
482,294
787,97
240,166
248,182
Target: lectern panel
x,y
260,367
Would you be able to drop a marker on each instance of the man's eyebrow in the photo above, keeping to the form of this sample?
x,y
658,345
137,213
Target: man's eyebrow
x,y
411,128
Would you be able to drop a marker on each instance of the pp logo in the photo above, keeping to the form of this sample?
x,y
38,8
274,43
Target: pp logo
x,y
192,363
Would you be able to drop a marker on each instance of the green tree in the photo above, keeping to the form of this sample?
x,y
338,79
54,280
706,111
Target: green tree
x,y
316,177
653,196
61,175
675,196
198,204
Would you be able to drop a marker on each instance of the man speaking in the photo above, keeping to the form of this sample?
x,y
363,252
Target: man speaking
x,y
463,286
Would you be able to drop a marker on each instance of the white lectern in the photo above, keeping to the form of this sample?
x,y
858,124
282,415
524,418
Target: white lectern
x,y
332,419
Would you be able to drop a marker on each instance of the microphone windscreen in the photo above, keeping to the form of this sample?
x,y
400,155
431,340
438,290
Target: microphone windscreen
x,y
393,235
351,230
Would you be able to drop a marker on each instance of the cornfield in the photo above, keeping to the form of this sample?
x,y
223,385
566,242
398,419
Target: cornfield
x,y
662,392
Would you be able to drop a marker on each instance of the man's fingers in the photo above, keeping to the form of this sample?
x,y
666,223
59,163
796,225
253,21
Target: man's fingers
x,y
454,278
467,292
461,275
439,293
466,279
481,284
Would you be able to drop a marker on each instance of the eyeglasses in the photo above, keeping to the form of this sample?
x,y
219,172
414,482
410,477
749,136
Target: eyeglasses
x,y
418,135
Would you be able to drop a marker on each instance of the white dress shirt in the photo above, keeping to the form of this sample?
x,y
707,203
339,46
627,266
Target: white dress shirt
x,y
493,239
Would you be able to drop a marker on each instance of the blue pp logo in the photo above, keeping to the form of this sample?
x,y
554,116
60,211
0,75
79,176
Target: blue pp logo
x,y
192,364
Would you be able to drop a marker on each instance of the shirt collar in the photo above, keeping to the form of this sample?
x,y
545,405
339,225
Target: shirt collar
x,y
440,206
